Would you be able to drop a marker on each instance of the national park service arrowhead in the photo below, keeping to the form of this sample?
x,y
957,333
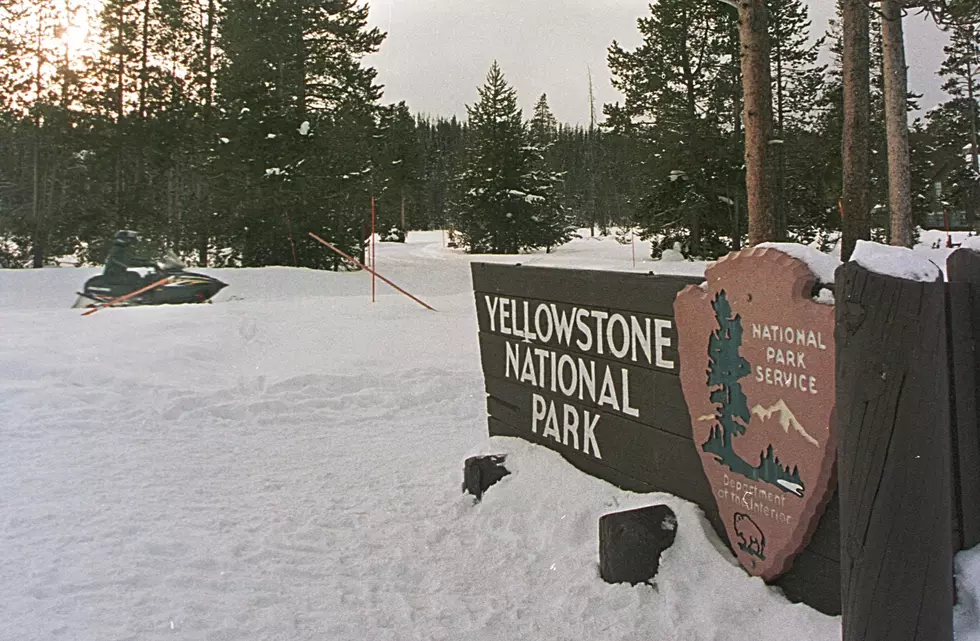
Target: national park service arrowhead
x,y
757,370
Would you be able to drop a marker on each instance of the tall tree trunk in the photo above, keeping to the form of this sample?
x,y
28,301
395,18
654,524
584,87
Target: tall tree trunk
x,y
780,150
757,83
209,57
204,201
120,107
736,195
896,121
974,151
857,123
37,245
144,59
120,65
693,147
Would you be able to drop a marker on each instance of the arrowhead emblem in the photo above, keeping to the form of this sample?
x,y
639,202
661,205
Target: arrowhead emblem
x,y
757,370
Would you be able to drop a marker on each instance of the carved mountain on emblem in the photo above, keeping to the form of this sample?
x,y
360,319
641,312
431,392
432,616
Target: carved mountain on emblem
x,y
786,419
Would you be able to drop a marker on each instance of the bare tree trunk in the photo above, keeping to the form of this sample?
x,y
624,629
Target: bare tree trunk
x,y
37,248
144,60
896,121
204,203
120,65
209,56
780,150
857,123
404,228
974,158
120,107
693,147
737,138
757,81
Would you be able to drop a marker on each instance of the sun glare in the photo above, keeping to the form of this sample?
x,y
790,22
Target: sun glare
x,y
74,38
72,34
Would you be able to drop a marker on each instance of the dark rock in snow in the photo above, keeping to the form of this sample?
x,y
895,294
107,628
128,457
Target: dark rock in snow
x,y
480,472
630,543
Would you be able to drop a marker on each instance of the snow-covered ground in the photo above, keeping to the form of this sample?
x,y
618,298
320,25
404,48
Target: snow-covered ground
x,y
286,464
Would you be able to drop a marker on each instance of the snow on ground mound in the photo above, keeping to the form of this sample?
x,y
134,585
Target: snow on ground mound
x,y
287,465
899,262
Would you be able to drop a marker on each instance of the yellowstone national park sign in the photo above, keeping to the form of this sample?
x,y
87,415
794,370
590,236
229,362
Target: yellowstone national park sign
x,y
758,379
585,363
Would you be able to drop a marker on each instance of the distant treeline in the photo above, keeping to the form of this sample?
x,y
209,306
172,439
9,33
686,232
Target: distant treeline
x,y
229,129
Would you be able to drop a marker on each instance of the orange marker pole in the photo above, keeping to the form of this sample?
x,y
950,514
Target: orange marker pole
x,y
373,265
358,263
128,296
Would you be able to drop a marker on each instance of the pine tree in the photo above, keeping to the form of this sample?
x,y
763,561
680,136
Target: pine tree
x,y
300,116
399,168
961,73
554,224
508,203
682,102
442,145
796,79
543,128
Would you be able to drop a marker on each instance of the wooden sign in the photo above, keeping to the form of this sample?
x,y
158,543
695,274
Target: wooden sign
x,y
585,363
758,378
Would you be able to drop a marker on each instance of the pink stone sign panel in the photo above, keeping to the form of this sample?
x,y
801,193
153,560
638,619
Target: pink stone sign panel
x,y
757,370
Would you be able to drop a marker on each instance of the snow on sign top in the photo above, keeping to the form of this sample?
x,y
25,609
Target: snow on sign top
x,y
822,265
899,262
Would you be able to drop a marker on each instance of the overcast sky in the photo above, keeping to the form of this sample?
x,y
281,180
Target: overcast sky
x,y
439,51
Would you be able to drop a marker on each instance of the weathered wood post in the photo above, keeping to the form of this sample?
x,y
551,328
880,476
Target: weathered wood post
x,y
963,271
894,458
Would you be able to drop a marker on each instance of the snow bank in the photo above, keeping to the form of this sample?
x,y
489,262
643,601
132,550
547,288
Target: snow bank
x,y
286,464
899,262
822,265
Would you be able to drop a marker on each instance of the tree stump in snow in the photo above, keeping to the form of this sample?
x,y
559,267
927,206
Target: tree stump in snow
x,y
630,543
480,472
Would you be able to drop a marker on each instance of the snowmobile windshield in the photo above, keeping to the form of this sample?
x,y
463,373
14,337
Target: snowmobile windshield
x,y
170,262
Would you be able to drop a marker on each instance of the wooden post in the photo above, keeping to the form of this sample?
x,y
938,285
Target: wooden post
x,y
893,458
963,268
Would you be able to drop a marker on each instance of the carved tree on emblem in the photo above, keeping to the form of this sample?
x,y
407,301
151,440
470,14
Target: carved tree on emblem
x,y
725,367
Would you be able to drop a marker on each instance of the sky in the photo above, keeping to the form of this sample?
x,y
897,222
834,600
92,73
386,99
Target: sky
x,y
439,51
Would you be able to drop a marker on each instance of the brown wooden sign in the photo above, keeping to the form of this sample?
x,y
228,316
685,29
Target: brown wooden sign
x,y
758,378
585,363
622,416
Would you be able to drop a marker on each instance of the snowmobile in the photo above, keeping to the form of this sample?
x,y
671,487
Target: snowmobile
x,y
182,287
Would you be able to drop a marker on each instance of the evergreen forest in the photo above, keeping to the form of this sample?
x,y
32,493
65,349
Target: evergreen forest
x,y
227,130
